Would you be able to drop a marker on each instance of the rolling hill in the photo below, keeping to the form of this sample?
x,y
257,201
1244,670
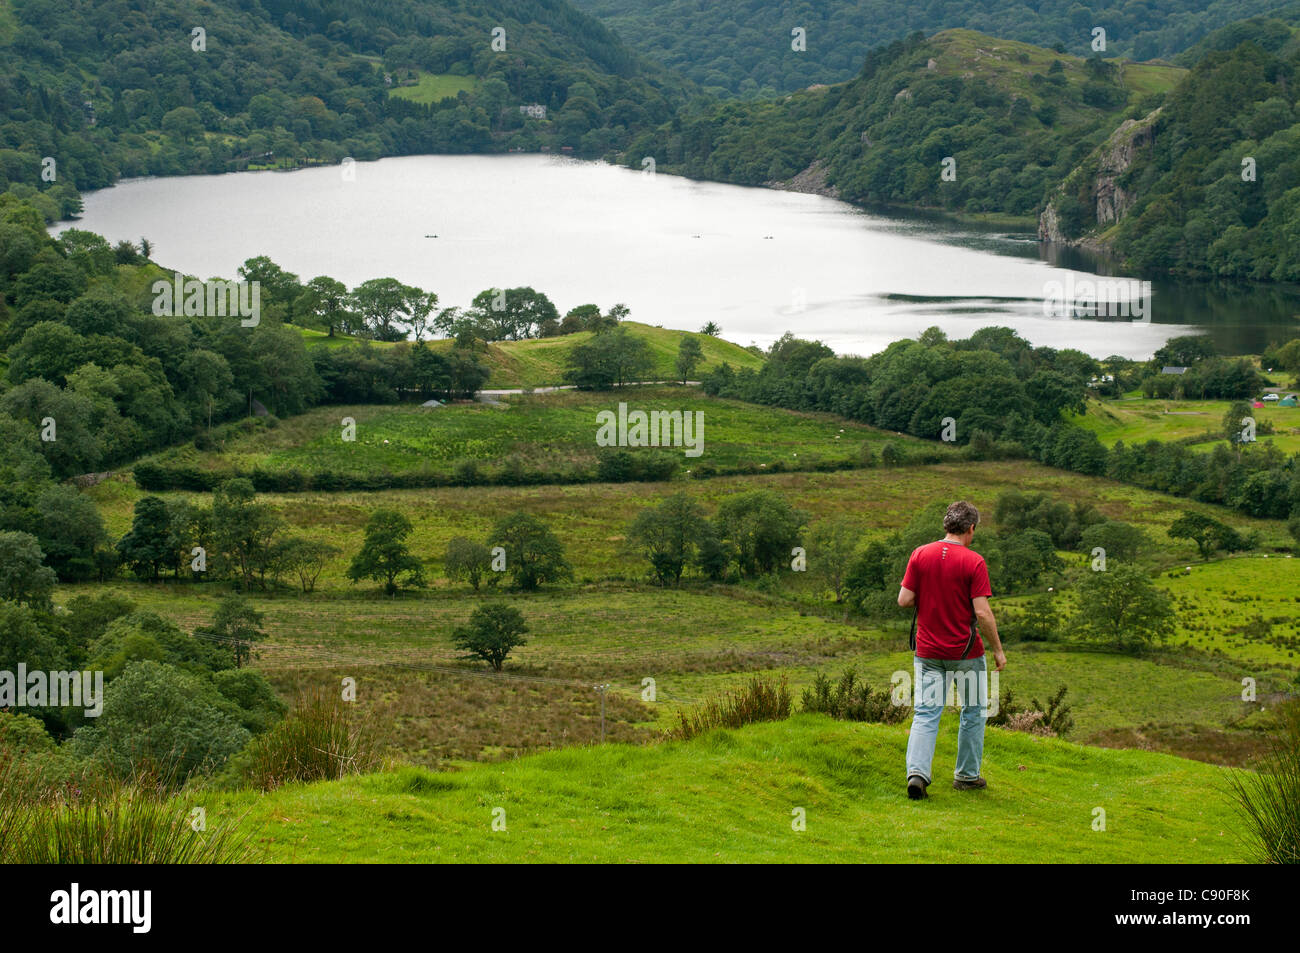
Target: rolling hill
x,y
734,797
744,47
1014,118
543,362
172,87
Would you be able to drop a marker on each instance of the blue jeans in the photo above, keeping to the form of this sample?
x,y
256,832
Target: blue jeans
x,y
931,686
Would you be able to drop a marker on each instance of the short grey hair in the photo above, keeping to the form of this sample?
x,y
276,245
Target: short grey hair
x,y
960,517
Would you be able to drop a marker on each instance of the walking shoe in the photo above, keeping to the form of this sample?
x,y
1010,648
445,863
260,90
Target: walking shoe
x,y
916,786
961,784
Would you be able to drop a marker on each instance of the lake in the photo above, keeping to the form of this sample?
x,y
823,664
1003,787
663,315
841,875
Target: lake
x,y
678,252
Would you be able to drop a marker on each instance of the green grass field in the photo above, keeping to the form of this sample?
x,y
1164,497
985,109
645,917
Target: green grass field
x,y
544,433
433,87
1246,607
609,625
592,519
1137,420
542,361
402,655
734,797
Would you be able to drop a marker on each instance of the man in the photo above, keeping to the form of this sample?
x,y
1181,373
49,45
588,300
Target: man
x,y
948,582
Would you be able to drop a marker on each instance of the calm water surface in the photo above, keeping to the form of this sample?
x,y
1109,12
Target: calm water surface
x,y
679,253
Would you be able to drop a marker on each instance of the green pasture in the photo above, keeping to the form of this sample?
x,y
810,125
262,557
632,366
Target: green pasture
x,y
434,87
551,433
1137,420
742,796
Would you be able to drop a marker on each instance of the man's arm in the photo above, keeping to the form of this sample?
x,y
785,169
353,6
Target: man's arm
x,y
988,628
907,598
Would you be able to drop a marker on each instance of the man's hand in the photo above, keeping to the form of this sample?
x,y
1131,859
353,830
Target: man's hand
x,y
1000,659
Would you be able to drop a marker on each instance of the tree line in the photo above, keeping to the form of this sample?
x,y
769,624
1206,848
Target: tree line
x,y
746,48
109,90
1005,398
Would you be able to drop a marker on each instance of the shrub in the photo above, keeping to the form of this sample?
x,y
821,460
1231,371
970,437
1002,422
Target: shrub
x,y
155,714
892,455
1269,800
321,740
623,466
29,768
260,707
12,815
1051,719
129,824
23,734
146,636
763,699
465,473
1030,722
178,476
1119,540
851,700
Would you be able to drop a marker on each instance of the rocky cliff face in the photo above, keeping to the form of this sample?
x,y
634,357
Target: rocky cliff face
x,y
1102,171
811,180
1049,225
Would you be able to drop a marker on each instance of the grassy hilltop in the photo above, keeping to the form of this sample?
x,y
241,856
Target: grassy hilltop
x,y
543,362
730,797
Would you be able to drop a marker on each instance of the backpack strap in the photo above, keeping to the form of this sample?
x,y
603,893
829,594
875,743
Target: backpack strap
x,y
974,631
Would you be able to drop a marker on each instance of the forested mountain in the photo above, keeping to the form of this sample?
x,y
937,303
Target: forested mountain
x,y
1014,119
744,46
1211,183
963,121
112,88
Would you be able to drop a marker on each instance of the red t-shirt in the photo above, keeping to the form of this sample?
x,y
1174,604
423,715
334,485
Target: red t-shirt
x,y
946,576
